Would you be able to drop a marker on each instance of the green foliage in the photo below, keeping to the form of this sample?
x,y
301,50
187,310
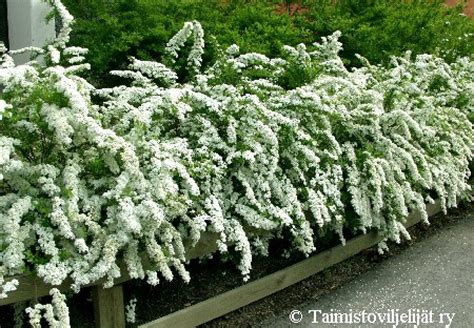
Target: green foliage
x,y
378,29
116,29
375,29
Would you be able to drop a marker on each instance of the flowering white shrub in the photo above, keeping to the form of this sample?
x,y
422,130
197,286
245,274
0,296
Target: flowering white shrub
x,y
252,149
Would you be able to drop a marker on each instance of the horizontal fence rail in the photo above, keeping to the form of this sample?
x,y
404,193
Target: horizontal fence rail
x,y
234,299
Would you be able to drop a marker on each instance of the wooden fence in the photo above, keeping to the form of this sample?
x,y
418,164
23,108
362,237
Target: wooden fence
x,y
109,305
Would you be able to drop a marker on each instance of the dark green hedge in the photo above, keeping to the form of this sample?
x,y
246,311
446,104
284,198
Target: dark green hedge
x,y
376,29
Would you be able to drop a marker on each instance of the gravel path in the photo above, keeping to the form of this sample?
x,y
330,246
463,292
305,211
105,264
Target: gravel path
x,y
435,274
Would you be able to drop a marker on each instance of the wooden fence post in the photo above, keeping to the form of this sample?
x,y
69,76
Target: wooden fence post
x,y
108,307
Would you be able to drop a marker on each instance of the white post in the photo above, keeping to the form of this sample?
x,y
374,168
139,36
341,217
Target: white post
x,y
27,25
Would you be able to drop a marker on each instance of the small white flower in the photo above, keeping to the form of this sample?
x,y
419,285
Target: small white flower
x,y
130,311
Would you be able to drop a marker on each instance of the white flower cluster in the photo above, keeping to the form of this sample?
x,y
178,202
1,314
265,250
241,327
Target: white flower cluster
x,y
130,311
55,314
190,30
7,286
86,187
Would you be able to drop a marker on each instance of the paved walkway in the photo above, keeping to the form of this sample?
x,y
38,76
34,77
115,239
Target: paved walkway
x,y
436,274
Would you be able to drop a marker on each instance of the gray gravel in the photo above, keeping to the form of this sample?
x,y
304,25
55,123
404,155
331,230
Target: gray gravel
x,y
436,274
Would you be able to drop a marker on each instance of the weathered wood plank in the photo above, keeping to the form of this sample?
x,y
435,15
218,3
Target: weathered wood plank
x,y
108,307
253,291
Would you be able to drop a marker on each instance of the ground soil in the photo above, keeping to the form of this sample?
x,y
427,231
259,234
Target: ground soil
x,y
468,7
334,277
